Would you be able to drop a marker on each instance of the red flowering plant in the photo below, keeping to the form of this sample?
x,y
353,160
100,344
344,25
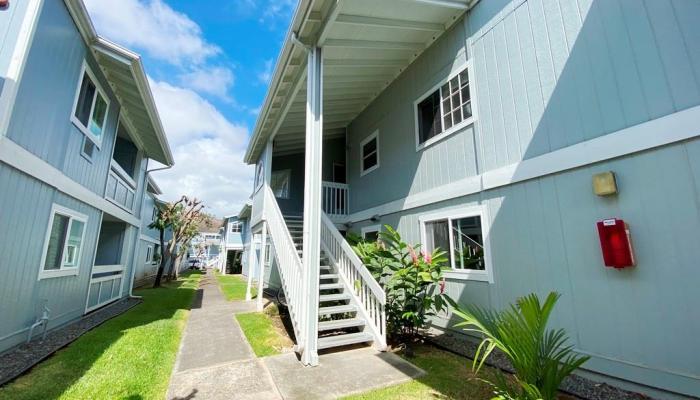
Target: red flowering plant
x,y
412,280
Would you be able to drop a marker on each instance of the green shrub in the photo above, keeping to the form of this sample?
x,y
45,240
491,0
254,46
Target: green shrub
x,y
412,281
541,358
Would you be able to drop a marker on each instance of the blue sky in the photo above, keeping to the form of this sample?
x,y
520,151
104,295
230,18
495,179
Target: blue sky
x,y
209,63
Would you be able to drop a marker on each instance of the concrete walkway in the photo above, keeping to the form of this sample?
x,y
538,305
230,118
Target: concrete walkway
x,y
215,361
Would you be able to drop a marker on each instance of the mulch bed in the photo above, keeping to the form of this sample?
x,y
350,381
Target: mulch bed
x,y
576,385
21,358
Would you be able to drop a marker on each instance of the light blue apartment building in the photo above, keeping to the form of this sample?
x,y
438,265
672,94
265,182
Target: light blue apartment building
x,y
479,127
78,127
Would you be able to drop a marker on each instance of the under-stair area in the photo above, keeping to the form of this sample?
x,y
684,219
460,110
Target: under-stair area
x,y
340,323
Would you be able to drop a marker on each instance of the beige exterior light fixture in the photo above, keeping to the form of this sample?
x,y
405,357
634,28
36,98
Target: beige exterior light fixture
x,y
604,184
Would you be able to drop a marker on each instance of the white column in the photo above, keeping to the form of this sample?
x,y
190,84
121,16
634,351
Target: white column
x,y
251,267
261,270
312,203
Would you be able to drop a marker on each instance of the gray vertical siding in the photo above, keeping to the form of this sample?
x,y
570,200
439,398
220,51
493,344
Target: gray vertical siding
x,y
549,74
41,117
23,224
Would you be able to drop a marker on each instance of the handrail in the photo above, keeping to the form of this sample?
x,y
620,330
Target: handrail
x,y
335,198
367,293
288,262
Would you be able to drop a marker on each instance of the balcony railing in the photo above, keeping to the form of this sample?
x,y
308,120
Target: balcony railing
x,y
121,188
335,199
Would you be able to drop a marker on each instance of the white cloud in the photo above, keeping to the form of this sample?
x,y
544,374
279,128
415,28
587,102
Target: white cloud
x,y
152,25
266,74
208,151
215,81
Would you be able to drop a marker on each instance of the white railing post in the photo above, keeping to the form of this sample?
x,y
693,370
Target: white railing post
x,y
261,260
312,203
251,267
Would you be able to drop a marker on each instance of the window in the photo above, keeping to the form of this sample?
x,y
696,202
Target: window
x,y
154,214
462,235
90,108
369,152
149,254
444,109
235,227
63,243
88,149
279,183
371,233
259,174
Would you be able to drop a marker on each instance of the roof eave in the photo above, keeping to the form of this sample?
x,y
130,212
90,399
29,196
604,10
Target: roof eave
x,y
280,65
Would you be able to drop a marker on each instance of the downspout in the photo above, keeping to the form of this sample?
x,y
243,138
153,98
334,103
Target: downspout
x,y
138,236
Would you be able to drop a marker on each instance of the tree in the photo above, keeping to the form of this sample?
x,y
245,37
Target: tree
x,y
183,218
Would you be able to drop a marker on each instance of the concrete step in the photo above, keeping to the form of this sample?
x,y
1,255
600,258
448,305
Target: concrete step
x,y
329,276
333,297
348,308
340,324
343,340
330,286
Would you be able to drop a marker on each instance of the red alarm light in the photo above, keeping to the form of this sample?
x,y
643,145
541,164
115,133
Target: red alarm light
x,y
615,243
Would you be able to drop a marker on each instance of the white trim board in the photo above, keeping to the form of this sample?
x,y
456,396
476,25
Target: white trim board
x,y
149,239
17,157
672,128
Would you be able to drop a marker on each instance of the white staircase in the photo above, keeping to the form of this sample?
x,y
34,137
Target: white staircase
x,y
340,323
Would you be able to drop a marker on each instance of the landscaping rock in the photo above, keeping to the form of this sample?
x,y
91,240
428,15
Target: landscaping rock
x,y
18,360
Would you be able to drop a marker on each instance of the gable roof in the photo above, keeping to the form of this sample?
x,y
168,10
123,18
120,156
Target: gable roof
x,y
125,73
367,44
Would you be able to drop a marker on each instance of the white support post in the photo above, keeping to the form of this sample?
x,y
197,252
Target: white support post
x,y
312,203
261,270
251,267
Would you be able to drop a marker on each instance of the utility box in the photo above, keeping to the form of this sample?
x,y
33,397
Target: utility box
x,y
615,243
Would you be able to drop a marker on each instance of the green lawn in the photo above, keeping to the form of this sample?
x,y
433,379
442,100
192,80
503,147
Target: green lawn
x,y
233,286
128,357
264,337
448,376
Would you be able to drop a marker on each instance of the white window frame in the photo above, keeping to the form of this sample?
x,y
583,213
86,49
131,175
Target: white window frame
x,y
236,224
468,65
457,213
74,268
149,254
370,228
259,175
373,136
85,69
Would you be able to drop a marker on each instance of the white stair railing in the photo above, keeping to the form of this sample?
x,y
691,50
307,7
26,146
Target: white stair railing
x,y
288,262
368,294
335,198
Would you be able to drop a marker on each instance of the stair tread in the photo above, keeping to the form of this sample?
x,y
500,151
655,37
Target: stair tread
x,y
340,323
337,309
329,276
333,297
344,340
329,286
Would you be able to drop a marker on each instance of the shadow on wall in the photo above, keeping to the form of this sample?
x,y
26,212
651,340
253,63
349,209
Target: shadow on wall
x,y
567,74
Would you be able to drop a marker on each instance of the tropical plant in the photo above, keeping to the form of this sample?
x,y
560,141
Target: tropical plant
x,y
540,356
412,281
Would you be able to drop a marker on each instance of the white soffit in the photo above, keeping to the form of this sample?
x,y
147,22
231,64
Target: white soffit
x,y
367,44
